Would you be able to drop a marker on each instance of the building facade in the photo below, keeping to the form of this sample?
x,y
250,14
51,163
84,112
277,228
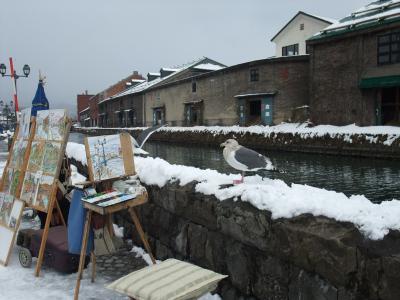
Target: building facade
x,y
355,69
259,92
291,39
82,105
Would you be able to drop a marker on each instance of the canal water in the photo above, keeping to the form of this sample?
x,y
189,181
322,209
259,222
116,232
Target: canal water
x,y
377,179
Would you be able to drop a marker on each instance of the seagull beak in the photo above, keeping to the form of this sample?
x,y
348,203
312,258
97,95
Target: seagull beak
x,y
223,145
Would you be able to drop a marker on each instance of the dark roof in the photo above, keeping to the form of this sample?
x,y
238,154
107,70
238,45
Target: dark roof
x,y
373,16
301,13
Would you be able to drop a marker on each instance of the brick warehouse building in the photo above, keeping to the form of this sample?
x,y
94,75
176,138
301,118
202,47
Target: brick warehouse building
x,y
355,68
82,105
264,91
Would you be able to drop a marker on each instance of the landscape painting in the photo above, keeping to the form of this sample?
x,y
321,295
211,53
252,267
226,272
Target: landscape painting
x,y
6,204
8,179
52,151
18,154
106,157
44,192
15,214
36,156
24,123
30,187
51,124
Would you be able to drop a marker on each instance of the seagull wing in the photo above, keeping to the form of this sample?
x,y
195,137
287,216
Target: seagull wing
x,y
252,159
145,134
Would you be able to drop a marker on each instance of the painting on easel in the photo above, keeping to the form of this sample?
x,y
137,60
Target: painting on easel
x,y
110,156
44,158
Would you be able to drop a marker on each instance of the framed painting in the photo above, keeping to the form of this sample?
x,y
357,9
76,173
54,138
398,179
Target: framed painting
x,y
30,187
51,125
52,151
109,156
44,191
24,123
18,154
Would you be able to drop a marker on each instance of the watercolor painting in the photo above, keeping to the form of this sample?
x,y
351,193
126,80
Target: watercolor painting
x,y
36,156
15,214
6,204
24,123
106,157
30,187
44,192
8,179
51,124
14,182
18,154
52,151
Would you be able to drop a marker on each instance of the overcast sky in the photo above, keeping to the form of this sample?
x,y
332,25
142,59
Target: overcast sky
x,y
90,44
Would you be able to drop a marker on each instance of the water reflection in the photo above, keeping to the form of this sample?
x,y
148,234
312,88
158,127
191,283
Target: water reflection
x,y
377,179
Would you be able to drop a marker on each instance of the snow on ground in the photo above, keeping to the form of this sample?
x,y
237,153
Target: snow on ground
x,y
282,200
76,151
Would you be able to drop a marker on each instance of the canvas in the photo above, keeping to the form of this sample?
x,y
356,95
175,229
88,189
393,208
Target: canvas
x,y
30,187
6,238
11,180
6,204
24,123
44,192
106,157
51,124
18,154
51,156
36,156
15,214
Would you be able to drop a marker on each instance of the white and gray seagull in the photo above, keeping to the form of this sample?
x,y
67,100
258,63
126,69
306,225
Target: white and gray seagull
x,y
244,159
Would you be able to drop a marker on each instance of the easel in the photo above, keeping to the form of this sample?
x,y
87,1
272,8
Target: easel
x,y
108,211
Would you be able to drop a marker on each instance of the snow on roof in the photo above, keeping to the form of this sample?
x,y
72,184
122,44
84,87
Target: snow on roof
x,y
147,84
128,83
369,14
254,94
170,69
138,80
208,67
154,74
84,110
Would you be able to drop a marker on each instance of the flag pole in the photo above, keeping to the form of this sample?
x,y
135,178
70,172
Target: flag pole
x,y
14,79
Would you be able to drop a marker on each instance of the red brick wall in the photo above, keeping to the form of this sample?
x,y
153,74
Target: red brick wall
x,y
82,102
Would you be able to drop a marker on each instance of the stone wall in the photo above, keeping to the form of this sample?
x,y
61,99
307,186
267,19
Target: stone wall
x,y
360,145
307,258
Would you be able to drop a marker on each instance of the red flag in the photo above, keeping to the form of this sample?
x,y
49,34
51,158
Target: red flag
x,y
14,84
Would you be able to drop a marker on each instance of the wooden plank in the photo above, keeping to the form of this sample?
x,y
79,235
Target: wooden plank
x,y
139,228
139,200
89,160
83,253
127,153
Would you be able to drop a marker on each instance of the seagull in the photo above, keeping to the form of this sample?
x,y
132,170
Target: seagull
x,y
244,159
142,138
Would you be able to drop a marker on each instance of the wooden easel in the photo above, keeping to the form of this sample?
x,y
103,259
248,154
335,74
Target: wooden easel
x,y
53,202
108,211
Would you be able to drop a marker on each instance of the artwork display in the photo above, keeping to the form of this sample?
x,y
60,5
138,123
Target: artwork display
x,y
18,154
24,123
11,180
44,158
6,204
107,156
30,187
44,192
51,125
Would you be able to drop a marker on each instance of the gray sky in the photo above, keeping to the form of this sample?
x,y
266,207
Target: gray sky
x,y
90,44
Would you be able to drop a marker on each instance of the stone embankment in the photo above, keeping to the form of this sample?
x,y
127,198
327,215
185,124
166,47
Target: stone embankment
x,y
306,257
378,145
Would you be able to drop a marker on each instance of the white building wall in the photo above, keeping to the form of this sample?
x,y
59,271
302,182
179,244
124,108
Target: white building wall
x,y
293,35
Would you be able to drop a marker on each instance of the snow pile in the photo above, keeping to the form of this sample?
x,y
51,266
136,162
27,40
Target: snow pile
x,y
77,152
303,130
283,201
76,177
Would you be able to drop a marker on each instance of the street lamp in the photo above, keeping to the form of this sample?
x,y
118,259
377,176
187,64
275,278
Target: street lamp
x,y
26,70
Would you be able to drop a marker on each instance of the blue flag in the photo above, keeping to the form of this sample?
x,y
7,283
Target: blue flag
x,y
40,101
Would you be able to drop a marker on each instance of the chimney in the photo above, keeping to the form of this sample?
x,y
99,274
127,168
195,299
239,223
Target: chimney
x,y
86,92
